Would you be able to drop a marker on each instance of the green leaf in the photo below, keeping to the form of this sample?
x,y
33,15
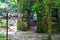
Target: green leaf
x,y
13,2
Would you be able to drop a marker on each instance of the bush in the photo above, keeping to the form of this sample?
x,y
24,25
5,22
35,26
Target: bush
x,y
23,28
2,37
2,24
18,26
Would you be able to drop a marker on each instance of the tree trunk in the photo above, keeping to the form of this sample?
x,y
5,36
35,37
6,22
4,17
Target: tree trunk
x,y
49,20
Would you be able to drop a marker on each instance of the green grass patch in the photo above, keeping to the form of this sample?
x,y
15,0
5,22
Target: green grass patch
x,y
3,37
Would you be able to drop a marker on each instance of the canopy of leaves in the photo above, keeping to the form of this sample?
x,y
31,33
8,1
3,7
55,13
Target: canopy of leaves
x,y
46,4
35,6
10,3
14,2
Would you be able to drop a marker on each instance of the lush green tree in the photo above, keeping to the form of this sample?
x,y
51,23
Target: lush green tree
x,y
40,5
40,8
22,5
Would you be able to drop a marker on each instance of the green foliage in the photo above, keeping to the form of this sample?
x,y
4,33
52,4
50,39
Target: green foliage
x,y
41,26
45,4
24,1
45,7
57,2
18,26
13,1
2,24
21,27
35,6
24,28
3,37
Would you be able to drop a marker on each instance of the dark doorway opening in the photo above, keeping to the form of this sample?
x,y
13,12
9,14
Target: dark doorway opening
x,y
55,20
55,15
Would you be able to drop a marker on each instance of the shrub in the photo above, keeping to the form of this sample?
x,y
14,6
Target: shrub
x,y
3,37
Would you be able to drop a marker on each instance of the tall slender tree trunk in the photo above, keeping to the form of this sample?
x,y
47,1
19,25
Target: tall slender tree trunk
x,y
49,20
6,24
